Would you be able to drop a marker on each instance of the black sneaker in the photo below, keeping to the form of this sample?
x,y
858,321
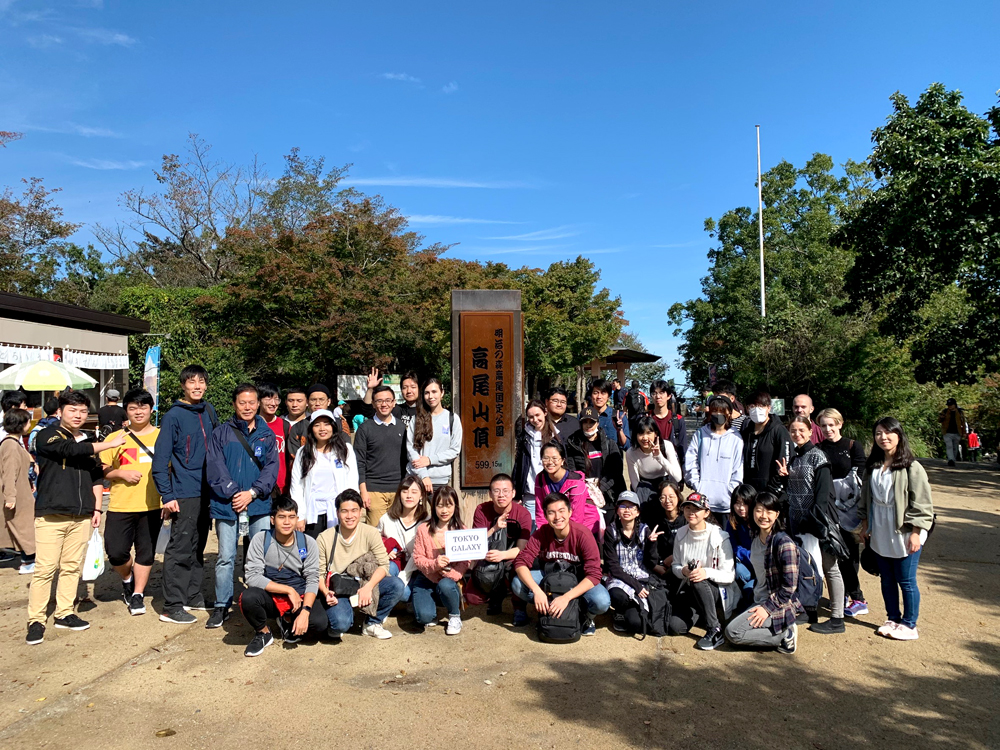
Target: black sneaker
x,y
71,622
790,641
136,605
36,633
618,623
711,640
831,626
219,615
494,610
259,643
178,616
198,605
128,589
951,463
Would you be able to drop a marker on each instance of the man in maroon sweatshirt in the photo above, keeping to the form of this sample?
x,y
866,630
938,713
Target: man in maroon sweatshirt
x,y
561,539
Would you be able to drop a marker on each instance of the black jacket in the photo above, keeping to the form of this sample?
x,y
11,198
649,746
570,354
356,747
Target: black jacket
x,y
760,452
68,471
612,479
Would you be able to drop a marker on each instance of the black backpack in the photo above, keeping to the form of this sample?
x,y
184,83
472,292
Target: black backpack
x,y
636,403
560,578
656,621
810,584
490,575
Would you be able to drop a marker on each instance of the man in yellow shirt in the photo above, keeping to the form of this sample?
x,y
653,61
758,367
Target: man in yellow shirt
x,y
134,513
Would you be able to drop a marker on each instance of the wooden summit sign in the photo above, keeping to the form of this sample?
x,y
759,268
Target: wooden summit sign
x,y
489,389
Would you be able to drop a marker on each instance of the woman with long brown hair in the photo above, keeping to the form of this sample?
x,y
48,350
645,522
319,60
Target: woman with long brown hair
x,y
536,431
433,439
436,579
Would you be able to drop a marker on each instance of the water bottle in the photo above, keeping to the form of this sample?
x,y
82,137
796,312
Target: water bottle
x,y
244,523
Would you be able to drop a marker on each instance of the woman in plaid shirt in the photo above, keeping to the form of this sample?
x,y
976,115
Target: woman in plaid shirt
x,y
770,621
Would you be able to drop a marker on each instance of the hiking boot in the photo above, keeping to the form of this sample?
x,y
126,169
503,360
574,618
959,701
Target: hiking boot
x,y
177,616
856,608
454,626
71,622
258,644
711,640
618,623
128,588
588,627
219,615
136,605
376,630
520,618
831,626
791,640
36,633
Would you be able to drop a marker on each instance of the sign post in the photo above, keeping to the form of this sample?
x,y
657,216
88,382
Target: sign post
x,y
151,377
488,381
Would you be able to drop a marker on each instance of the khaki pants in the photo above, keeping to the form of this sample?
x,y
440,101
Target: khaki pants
x,y
60,544
380,502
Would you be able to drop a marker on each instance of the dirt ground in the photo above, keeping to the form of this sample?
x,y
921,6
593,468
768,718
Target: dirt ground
x,y
119,683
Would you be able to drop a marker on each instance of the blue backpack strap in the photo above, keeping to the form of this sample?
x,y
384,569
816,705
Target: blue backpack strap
x,y
268,536
300,542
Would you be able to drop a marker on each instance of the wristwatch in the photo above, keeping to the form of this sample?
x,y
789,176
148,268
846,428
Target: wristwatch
x,y
307,607
253,493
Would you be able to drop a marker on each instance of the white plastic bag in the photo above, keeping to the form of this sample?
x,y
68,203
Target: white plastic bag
x,y
811,545
93,562
163,539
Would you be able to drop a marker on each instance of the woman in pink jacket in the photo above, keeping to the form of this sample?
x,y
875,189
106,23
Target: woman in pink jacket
x,y
436,578
554,477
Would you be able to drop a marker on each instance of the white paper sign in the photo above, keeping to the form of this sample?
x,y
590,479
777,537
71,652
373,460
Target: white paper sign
x,y
469,544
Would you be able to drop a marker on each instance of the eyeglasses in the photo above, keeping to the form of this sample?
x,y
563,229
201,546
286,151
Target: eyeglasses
x,y
551,459
503,493
558,401
385,401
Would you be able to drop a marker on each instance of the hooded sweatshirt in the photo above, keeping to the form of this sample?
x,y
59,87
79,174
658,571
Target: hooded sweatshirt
x,y
714,466
179,455
760,452
442,449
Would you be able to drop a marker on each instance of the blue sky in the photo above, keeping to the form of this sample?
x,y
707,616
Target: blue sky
x,y
525,132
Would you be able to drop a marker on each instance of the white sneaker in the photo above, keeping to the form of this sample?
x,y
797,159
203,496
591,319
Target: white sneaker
x,y
375,630
26,569
887,627
454,625
903,633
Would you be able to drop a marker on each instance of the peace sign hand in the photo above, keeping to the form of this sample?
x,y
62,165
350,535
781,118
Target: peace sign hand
x,y
655,533
782,467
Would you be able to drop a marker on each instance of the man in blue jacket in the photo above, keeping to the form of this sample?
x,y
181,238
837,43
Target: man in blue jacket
x,y
242,470
179,475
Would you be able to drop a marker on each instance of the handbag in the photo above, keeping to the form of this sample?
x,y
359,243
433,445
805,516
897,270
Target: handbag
x,y
594,491
338,583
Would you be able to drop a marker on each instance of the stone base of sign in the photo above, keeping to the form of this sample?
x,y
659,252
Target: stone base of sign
x,y
487,359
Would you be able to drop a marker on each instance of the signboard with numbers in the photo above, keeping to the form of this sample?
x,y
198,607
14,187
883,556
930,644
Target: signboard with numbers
x,y
487,395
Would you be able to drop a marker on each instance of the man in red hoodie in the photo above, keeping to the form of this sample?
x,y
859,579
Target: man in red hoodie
x,y
561,539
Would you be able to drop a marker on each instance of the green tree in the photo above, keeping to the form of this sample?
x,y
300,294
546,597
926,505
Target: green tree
x,y
927,241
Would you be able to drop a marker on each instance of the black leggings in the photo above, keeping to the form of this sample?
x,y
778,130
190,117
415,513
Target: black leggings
x,y
258,607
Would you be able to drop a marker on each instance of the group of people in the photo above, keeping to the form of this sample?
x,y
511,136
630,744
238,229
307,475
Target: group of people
x,y
333,525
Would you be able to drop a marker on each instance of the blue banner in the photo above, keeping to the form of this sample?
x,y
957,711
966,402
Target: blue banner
x,y
151,375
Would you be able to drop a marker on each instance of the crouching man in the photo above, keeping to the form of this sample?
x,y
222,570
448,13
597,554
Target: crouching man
x,y
282,579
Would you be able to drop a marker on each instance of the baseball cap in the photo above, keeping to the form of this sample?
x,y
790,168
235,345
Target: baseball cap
x,y
627,497
322,413
696,499
112,393
589,412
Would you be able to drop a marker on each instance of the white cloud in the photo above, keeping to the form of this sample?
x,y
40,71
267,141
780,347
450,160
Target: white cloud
x,y
106,164
106,37
432,182
406,77
42,41
484,252
556,233
435,219
5,5
450,88
72,128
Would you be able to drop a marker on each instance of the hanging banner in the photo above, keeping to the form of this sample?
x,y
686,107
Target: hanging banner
x,y
151,374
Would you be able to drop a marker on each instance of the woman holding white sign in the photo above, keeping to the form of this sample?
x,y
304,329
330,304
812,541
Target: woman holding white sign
x,y
437,577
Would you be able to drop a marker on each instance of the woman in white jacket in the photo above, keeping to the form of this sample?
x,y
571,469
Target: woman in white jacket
x,y
713,464
324,467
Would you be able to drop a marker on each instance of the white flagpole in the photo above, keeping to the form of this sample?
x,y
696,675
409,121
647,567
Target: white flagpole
x,y
760,224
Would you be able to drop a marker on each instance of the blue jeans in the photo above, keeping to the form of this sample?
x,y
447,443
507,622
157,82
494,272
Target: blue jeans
x,y
341,614
598,600
900,574
225,562
394,571
528,501
427,595
745,580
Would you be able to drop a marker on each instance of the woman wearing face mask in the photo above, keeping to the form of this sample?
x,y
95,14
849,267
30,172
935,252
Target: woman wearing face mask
x,y
847,463
650,459
765,442
898,513
592,453
810,497
537,430
714,463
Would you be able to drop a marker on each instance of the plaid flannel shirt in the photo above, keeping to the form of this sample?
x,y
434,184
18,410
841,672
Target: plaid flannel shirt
x,y
781,565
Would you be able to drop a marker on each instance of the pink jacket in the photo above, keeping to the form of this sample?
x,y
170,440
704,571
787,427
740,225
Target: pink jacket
x,y
574,487
425,556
